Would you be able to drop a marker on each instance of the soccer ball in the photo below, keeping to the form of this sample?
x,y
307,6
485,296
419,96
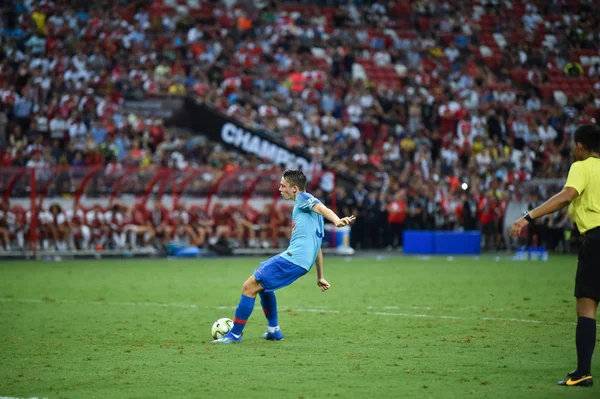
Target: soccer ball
x,y
221,327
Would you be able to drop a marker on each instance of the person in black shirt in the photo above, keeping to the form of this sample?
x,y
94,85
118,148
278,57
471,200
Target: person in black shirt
x,y
535,229
348,63
359,194
494,126
555,230
430,207
469,214
372,220
414,212
344,202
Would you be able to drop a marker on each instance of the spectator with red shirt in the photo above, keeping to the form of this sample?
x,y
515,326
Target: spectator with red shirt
x,y
396,214
488,220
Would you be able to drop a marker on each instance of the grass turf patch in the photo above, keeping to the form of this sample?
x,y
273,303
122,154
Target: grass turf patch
x,y
398,327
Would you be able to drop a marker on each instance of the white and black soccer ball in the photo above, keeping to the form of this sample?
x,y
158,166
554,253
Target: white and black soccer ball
x,y
221,327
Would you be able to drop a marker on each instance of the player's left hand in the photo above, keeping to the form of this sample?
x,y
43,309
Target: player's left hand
x,y
323,284
515,229
345,221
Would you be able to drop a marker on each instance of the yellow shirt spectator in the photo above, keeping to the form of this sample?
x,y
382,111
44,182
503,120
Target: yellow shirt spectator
x,y
477,146
39,18
408,144
177,89
146,161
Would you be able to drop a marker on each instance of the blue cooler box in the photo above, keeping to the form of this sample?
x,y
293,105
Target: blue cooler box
x,y
457,242
417,242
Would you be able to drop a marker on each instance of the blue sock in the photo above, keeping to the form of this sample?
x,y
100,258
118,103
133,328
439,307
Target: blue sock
x,y
269,305
242,313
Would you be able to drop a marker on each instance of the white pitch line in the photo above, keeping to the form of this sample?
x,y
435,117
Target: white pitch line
x,y
510,319
317,309
150,304
415,315
312,310
12,397
102,302
287,309
25,300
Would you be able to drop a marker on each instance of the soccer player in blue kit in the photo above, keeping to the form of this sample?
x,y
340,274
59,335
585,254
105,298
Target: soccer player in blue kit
x,y
283,269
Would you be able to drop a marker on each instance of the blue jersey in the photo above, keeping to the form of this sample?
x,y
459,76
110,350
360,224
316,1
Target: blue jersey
x,y
307,232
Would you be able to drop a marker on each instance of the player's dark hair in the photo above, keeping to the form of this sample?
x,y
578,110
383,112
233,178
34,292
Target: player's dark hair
x,y
295,177
589,137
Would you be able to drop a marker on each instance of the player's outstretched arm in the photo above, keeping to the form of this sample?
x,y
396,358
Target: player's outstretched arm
x,y
558,201
321,282
331,216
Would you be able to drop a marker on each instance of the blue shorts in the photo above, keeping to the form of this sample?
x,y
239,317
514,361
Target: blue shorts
x,y
277,272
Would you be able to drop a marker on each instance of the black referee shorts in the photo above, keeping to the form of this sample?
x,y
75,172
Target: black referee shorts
x,y
587,281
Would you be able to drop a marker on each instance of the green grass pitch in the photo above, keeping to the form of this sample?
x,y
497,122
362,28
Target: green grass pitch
x,y
398,327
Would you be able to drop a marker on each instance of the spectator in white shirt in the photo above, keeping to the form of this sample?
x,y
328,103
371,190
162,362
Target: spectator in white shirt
x,y
594,70
351,131
43,63
36,44
56,20
366,100
450,155
355,113
36,161
530,20
310,126
378,8
520,129
534,77
328,120
58,127
533,104
451,52
42,123
391,150
382,58
77,129
362,36
478,124
506,96
194,34
484,160
470,98
143,18
546,132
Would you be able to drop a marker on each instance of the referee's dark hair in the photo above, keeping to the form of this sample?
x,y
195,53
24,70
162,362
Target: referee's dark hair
x,y
589,137
295,177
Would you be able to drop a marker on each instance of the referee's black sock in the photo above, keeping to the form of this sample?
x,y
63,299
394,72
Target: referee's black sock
x,y
585,339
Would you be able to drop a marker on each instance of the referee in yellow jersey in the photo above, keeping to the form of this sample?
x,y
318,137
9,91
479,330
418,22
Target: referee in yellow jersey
x,y
582,192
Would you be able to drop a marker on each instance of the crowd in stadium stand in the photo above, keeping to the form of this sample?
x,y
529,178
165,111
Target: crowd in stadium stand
x,y
124,228
416,99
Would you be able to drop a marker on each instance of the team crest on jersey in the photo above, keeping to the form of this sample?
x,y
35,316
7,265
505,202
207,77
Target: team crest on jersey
x,y
319,233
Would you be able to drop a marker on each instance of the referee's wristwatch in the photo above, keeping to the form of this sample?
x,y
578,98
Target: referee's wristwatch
x,y
527,216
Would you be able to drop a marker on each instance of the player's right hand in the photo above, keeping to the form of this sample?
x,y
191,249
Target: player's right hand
x,y
515,229
323,284
345,221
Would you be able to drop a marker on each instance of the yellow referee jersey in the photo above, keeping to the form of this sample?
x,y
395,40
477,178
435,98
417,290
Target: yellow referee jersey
x,y
584,176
